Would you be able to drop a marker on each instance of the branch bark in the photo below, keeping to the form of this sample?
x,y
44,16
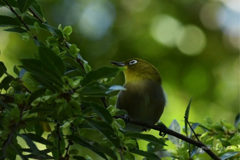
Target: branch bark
x,y
164,129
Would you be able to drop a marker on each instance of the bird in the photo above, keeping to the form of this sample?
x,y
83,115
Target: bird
x,y
144,98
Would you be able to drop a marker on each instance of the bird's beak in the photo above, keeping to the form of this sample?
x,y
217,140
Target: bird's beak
x,y
120,64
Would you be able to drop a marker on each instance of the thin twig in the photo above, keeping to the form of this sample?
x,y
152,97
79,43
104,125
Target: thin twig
x,y
120,153
164,129
35,15
192,129
104,102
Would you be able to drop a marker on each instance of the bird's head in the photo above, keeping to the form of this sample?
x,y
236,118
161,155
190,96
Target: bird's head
x,y
137,70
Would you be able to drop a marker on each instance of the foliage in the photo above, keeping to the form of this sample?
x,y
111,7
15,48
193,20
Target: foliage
x,y
50,95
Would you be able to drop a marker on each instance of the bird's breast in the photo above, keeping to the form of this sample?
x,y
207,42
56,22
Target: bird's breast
x,y
144,101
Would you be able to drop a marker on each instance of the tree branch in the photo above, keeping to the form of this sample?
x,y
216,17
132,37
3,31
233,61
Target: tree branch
x,y
164,129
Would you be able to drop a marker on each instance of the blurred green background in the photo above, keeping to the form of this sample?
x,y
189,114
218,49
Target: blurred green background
x,y
195,45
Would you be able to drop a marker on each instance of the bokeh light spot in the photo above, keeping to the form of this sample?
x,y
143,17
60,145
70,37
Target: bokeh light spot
x,y
208,15
164,29
96,19
135,5
191,40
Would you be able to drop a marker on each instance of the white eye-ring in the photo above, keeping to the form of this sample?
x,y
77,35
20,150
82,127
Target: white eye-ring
x,y
132,62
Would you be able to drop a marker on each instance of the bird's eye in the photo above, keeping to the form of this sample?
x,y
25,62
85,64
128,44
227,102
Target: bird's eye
x,y
132,62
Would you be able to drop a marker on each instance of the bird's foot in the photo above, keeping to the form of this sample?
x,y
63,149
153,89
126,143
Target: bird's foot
x,y
127,119
163,129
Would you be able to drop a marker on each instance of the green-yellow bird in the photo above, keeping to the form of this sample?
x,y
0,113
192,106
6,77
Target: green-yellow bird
x,y
144,98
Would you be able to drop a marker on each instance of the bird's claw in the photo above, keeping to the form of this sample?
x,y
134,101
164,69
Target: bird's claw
x,y
162,130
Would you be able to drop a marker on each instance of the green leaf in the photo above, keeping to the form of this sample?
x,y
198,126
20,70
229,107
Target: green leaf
x,y
105,129
237,119
194,126
3,69
37,138
102,112
15,70
16,29
186,116
86,144
175,127
4,105
48,84
6,21
31,145
146,154
36,8
36,94
228,155
42,109
146,137
106,150
54,31
104,72
5,83
52,60
42,70
12,3
99,90
79,158
23,5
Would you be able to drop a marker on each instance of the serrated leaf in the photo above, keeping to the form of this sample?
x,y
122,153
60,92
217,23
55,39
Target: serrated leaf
x,y
104,72
36,8
146,154
105,129
3,69
42,70
12,3
228,155
102,112
175,127
36,94
237,119
52,60
84,143
23,5
6,21
16,29
146,137
37,138
186,116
